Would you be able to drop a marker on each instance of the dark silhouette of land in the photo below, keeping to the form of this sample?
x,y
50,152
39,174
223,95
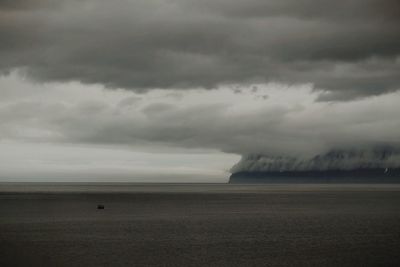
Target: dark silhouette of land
x,y
367,175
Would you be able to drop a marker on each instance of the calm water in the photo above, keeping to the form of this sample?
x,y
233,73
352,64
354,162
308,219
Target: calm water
x,y
199,225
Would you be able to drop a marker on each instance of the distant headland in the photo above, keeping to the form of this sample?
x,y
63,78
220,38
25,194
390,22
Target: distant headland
x,y
379,165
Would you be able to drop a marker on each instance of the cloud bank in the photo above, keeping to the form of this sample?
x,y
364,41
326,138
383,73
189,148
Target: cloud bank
x,y
273,119
348,159
349,49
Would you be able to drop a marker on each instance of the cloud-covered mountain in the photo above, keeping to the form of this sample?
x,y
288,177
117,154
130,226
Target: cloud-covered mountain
x,y
375,158
378,164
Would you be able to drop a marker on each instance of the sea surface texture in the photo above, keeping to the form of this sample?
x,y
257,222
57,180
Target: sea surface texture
x,y
199,225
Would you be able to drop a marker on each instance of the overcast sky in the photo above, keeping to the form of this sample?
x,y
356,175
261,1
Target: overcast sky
x,y
178,90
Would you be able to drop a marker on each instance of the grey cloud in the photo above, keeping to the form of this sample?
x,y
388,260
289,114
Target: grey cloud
x,y
129,101
287,122
21,5
157,109
354,9
141,45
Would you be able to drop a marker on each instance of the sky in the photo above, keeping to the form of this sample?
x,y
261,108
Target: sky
x,y
179,90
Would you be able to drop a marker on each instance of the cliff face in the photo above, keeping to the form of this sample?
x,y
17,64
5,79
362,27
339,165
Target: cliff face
x,y
375,165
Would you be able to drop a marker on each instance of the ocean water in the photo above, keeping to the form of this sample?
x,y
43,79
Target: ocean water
x,y
199,225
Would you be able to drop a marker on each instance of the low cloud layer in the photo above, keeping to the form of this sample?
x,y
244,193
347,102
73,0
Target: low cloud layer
x,y
272,119
348,49
383,157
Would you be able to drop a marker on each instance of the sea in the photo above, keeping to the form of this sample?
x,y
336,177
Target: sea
x,y
76,224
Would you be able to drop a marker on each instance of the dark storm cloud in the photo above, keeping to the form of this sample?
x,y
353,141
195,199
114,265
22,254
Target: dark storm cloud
x,y
349,48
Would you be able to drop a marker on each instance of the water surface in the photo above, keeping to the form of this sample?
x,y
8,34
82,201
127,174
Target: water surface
x,y
199,225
